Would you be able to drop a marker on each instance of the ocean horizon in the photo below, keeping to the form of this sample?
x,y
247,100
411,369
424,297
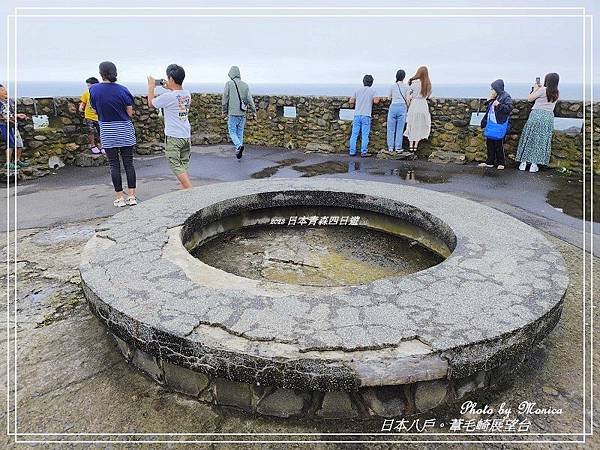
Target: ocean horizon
x,y
466,90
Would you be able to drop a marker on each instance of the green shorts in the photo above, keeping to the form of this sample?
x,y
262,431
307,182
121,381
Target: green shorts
x,y
177,152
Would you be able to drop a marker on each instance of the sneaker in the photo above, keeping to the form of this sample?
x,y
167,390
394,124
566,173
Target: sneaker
x,y
120,202
523,166
239,152
534,168
131,201
500,167
399,150
365,155
351,154
11,166
103,151
484,165
23,164
95,150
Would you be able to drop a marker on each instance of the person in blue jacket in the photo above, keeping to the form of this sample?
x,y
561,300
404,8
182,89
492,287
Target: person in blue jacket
x,y
501,104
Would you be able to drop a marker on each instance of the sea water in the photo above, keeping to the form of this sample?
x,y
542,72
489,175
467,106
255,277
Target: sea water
x,y
473,90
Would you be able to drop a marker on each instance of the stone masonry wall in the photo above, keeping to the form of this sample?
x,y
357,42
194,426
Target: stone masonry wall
x,y
316,127
66,135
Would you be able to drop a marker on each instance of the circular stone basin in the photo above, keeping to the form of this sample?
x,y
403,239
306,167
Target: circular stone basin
x,y
397,345
311,248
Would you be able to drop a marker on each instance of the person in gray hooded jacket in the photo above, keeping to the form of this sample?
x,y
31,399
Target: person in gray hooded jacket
x,y
237,100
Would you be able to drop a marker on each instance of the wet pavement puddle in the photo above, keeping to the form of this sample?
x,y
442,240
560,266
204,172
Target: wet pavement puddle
x,y
272,170
567,197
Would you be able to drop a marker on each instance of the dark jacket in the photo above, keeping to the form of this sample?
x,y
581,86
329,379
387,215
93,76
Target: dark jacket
x,y
502,110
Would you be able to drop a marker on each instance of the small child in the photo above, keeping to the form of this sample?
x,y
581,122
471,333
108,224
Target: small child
x,y
91,118
176,106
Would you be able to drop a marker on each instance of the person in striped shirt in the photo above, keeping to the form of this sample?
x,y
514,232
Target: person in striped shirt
x,y
114,105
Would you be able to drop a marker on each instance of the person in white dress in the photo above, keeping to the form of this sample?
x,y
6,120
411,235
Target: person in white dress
x,y
418,119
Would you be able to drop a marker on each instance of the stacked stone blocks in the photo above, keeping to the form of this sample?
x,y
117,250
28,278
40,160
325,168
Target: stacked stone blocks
x,y
316,127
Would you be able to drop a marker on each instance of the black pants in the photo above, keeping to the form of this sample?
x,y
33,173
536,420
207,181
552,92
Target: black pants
x,y
495,152
115,166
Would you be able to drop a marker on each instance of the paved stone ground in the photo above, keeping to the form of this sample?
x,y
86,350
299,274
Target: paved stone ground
x,y
80,193
72,379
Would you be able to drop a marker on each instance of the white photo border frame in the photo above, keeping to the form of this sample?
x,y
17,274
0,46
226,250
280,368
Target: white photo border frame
x,y
585,18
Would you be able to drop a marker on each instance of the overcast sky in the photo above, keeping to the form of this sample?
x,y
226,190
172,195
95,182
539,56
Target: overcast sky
x,y
301,50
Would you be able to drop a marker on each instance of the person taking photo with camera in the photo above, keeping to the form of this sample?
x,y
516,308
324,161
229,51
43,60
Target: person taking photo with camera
x,y
176,104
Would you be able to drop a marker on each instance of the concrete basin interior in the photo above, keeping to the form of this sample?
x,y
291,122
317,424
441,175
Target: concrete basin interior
x,y
315,246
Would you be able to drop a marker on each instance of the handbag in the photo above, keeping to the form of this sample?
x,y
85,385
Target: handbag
x,y
494,130
243,104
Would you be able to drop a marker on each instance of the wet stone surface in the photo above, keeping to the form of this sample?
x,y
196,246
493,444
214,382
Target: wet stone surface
x,y
272,170
327,256
327,167
73,379
568,197
477,310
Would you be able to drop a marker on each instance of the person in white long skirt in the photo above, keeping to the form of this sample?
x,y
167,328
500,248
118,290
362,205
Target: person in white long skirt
x,y
418,119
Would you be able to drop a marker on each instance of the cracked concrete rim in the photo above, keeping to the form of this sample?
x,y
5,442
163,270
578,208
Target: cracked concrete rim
x,y
498,293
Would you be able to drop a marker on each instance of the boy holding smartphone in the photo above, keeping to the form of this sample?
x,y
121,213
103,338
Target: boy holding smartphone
x,y
176,106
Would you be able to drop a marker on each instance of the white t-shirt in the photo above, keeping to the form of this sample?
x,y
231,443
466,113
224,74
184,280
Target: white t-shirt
x,y
397,92
176,107
364,101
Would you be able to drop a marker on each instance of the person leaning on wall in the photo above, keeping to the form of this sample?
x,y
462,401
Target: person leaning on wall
x,y
535,143
418,119
396,119
91,118
363,101
495,123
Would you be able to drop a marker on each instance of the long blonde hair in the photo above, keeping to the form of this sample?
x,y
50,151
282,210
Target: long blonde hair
x,y
422,74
